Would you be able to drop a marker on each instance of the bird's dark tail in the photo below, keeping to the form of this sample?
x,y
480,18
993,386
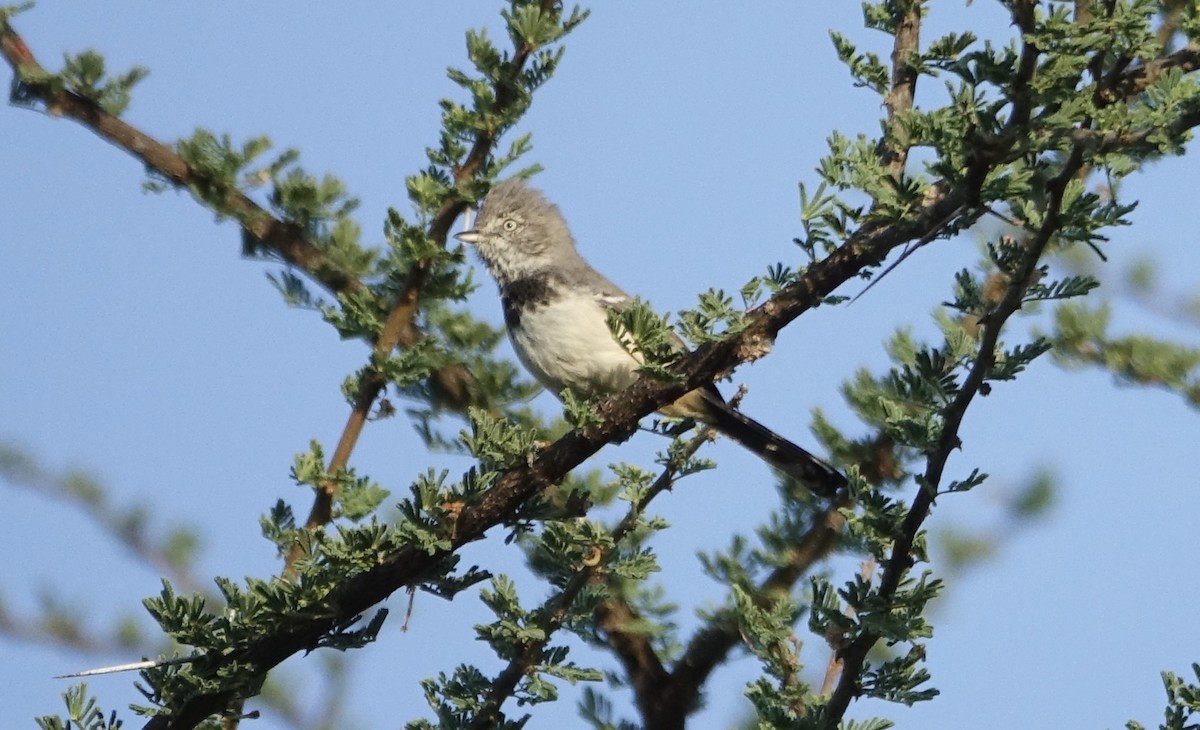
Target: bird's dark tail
x,y
814,473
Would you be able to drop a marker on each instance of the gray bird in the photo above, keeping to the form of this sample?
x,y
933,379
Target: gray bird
x,y
555,308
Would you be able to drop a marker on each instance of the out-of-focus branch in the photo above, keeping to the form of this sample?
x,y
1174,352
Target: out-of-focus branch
x,y
666,698
1137,79
710,646
899,100
54,626
643,667
1172,11
1138,140
58,624
169,555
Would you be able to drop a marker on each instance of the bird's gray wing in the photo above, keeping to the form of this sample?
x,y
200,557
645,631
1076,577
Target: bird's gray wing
x,y
613,298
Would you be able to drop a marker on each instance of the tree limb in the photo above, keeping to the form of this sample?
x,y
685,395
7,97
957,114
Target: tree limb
x,y
284,239
634,650
1137,79
899,100
620,412
619,415
901,559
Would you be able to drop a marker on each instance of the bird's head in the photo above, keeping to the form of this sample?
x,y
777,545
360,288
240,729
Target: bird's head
x,y
518,233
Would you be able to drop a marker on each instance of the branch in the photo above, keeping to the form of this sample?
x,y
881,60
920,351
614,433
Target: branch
x,y
1136,80
284,239
620,412
853,657
1127,83
1024,14
619,416
899,100
52,626
635,651
1135,141
129,528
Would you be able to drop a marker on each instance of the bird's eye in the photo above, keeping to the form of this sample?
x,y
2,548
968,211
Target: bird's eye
x,y
510,225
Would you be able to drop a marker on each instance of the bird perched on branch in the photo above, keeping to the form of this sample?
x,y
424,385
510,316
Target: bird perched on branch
x,y
556,310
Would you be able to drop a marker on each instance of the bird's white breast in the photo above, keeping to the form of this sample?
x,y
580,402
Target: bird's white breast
x,y
567,345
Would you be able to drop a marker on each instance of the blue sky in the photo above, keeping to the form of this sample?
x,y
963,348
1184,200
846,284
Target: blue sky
x,y
138,346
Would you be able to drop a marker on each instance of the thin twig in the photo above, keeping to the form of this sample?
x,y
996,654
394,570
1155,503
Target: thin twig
x,y
911,248
833,669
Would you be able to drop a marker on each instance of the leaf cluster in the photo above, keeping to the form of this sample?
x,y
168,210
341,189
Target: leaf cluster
x,y
1183,702
84,74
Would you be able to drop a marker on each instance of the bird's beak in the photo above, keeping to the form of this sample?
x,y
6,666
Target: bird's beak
x,y
471,236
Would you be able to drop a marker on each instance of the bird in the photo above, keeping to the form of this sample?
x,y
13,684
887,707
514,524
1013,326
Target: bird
x,y
556,309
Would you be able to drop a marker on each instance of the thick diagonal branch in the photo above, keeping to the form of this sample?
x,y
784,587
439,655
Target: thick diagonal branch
x,y
620,414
